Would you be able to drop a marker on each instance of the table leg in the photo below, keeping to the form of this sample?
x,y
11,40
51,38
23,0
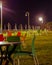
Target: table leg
x,y
1,56
0,61
9,53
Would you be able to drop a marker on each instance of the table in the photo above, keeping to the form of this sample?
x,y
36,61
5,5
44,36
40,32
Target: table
x,y
6,54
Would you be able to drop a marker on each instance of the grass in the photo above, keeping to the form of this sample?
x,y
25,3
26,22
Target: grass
x,y
44,53
43,47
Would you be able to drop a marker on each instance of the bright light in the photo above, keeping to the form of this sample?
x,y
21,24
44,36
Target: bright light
x,y
0,4
40,19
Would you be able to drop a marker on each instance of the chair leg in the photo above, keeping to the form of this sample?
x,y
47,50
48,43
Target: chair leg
x,y
0,61
7,62
14,62
34,60
18,61
10,60
37,60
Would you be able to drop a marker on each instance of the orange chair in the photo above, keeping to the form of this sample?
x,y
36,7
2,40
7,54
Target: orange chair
x,y
19,34
9,33
23,37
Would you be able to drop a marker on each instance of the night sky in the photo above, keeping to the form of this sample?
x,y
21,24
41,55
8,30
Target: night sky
x,y
14,11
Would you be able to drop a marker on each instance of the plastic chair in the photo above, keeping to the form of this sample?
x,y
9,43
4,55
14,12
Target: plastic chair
x,y
32,53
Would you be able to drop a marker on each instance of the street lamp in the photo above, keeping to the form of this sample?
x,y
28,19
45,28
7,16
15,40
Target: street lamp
x,y
1,14
27,14
40,19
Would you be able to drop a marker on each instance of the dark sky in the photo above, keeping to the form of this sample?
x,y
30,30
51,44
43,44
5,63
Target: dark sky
x,y
16,14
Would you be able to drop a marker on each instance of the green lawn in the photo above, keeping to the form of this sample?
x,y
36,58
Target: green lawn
x,y
43,47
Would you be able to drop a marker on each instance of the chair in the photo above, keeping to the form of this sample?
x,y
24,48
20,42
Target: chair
x,y
9,33
32,53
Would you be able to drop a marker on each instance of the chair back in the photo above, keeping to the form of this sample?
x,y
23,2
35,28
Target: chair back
x,y
13,39
33,45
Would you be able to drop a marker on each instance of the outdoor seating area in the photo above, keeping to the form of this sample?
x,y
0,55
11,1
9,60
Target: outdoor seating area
x,y
14,46
25,32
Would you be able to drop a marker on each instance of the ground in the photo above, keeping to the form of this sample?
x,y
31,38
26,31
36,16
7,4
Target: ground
x,y
43,47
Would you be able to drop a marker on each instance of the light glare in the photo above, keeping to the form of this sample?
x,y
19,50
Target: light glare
x,y
40,18
0,4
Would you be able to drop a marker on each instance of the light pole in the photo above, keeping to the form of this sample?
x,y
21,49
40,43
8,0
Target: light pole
x,y
41,21
27,14
1,14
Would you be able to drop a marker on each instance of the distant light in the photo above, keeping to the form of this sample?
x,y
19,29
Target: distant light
x,y
40,19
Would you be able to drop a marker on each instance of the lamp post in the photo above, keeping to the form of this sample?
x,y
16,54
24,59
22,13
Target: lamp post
x,y
27,14
1,14
41,21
